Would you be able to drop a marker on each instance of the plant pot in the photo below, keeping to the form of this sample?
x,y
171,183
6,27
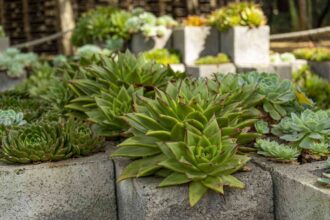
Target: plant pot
x,y
141,198
141,44
4,43
179,67
284,70
208,70
196,42
80,188
7,82
297,195
246,46
321,68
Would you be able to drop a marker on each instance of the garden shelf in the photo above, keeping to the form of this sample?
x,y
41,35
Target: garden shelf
x,y
208,70
196,42
80,188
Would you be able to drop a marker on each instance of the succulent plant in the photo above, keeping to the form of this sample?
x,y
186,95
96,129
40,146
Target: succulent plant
x,y
163,56
14,62
261,127
243,14
10,117
317,54
218,59
39,142
195,21
318,149
282,58
97,25
206,160
305,129
88,51
279,152
325,179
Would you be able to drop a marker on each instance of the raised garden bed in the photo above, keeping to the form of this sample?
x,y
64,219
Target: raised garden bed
x,y
7,82
246,46
196,42
208,70
142,199
297,195
72,189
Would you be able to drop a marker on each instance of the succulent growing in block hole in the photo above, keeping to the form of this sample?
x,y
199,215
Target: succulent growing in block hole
x,y
277,151
306,129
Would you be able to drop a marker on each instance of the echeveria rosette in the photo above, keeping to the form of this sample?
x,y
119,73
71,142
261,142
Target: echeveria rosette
x,y
279,152
205,160
10,117
262,127
305,129
38,142
81,138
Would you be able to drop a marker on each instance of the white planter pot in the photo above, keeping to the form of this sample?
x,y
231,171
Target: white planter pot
x,y
196,42
246,46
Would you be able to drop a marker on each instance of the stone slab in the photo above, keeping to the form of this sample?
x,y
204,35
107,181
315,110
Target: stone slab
x,y
7,82
178,67
142,199
297,195
141,44
208,70
246,45
284,70
4,43
321,68
81,189
196,42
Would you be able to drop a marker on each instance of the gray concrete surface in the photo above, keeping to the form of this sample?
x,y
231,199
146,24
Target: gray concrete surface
x,y
321,68
246,45
141,199
196,42
7,82
208,70
284,70
141,44
4,43
81,189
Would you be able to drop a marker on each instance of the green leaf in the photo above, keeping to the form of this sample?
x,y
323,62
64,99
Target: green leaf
x,y
137,151
175,179
196,192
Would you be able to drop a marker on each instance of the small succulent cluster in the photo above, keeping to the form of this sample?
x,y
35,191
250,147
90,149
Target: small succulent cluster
x,y
238,14
10,117
163,56
98,25
14,62
278,58
148,24
218,59
88,51
325,179
195,21
318,54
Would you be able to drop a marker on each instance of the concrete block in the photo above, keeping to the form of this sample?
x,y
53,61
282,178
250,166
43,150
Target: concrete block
x,y
141,44
246,45
4,43
178,67
284,70
7,82
142,199
298,64
196,42
297,195
72,189
208,70
321,68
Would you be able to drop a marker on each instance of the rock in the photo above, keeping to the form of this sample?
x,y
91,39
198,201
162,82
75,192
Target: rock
x,y
142,199
73,189
321,68
297,195
141,44
208,70
246,45
196,42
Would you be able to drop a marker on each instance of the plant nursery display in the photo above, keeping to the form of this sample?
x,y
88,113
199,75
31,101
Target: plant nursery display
x,y
163,56
100,24
148,24
317,54
14,62
218,59
238,14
